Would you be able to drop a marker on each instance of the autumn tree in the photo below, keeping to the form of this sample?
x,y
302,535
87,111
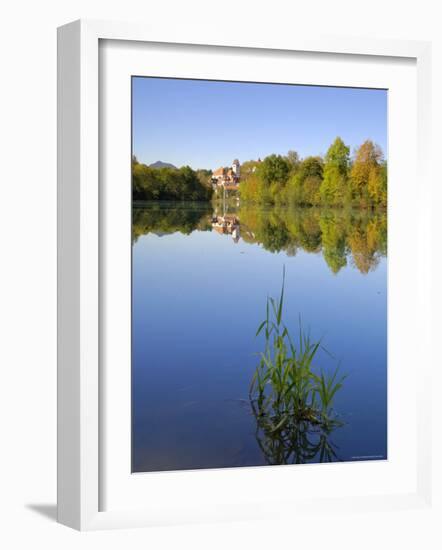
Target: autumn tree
x,y
366,174
377,184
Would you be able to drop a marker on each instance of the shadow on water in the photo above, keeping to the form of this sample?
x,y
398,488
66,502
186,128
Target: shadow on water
x,y
358,237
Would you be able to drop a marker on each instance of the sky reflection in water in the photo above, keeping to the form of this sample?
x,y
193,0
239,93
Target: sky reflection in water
x,y
200,283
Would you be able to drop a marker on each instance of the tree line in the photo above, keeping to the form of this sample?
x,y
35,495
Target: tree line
x,y
333,180
172,184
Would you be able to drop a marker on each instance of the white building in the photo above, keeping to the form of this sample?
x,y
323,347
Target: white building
x,y
227,176
236,168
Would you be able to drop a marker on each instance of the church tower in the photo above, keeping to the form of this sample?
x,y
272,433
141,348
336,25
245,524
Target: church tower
x,y
236,168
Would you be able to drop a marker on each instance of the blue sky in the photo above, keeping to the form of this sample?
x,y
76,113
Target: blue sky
x,y
206,124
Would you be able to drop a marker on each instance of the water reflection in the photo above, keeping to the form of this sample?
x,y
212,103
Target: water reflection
x,y
227,224
200,276
296,442
165,218
358,237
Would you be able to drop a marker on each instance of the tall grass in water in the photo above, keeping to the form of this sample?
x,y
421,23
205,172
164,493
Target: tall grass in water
x,y
289,395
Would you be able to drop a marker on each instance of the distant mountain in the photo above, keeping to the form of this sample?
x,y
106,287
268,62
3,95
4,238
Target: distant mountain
x,y
160,164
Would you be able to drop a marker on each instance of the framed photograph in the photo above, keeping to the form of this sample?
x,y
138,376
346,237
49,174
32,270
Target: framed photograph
x,y
236,226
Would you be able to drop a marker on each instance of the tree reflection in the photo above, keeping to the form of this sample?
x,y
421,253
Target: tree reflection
x,y
163,218
358,236
355,237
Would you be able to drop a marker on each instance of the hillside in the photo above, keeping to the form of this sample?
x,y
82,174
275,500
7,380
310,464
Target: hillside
x,y
161,164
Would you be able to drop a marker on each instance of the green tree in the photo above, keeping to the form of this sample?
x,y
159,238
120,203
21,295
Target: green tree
x,y
273,173
204,176
333,236
274,169
167,184
293,159
248,167
304,186
249,188
334,187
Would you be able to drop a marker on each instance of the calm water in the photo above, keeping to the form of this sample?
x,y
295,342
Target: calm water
x,y
200,282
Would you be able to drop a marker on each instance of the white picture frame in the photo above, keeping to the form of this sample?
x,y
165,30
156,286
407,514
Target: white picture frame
x,y
80,294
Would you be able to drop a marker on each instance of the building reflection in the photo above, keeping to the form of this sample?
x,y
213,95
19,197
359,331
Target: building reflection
x,y
228,224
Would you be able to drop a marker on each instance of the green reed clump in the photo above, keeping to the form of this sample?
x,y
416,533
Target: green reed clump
x,y
287,389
